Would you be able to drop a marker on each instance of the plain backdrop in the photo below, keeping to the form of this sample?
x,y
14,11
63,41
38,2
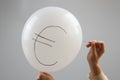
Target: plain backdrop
x,y
99,19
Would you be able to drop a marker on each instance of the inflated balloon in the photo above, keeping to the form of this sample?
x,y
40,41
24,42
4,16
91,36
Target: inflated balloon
x,y
51,39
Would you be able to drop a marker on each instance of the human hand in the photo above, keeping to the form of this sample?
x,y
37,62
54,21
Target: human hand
x,y
44,76
96,50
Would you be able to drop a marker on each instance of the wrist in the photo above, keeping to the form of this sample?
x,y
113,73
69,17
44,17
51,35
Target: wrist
x,y
95,70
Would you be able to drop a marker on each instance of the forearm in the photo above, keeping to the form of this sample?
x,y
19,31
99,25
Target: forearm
x,y
96,73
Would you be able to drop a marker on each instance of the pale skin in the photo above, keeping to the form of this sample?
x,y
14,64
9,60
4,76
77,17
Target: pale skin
x,y
96,50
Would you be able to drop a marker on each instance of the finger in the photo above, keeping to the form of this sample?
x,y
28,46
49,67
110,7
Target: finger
x,y
46,74
88,44
102,46
93,46
97,44
38,77
42,76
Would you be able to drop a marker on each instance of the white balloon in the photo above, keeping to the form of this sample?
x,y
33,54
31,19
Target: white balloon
x,y
51,39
